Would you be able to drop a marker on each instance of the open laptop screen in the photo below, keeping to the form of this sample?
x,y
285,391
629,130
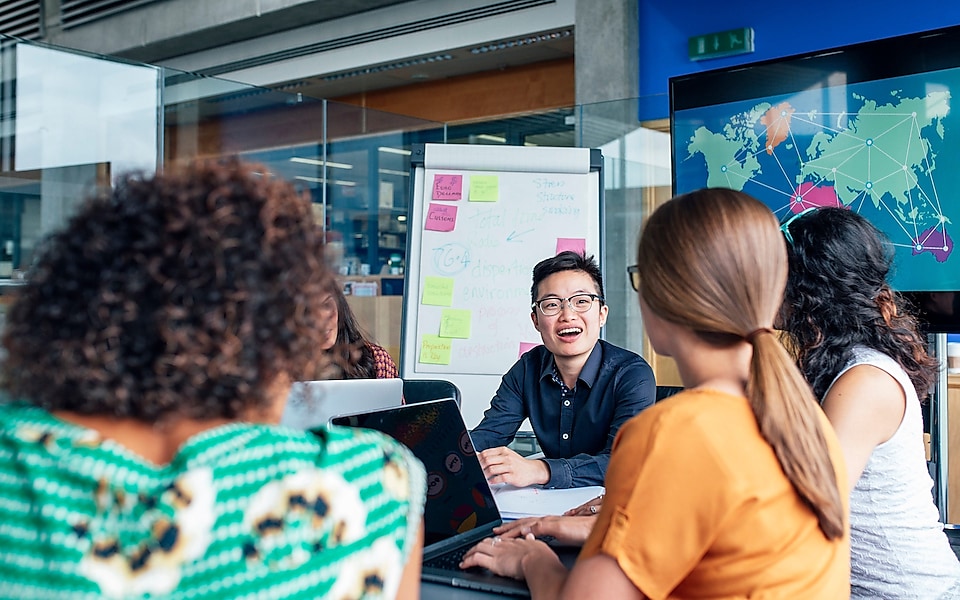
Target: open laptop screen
x,y
458,497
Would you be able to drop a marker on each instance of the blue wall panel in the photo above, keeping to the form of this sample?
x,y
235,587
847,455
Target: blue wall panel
x,y
780,29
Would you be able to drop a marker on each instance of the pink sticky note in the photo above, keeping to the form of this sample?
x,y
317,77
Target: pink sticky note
x,y
578,245
447,187
441,217
526,346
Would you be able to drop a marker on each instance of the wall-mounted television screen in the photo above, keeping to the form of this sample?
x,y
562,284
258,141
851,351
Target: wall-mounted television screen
x,y
869,127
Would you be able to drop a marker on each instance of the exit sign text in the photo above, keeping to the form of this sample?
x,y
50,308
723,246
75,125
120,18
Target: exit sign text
x,y
723,43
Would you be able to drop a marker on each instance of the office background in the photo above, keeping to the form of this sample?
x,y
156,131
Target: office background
x,y
333,95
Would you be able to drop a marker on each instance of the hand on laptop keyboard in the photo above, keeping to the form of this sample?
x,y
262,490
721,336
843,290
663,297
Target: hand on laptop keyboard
x,y
563,530
504,556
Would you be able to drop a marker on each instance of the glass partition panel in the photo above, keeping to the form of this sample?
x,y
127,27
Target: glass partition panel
x,y
636,179
545,128
207,117
78,109
70,121
354,163
357,170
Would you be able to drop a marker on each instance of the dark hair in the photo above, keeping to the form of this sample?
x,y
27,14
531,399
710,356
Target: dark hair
x,y
176,295
713,262
351,356
838,297
566,261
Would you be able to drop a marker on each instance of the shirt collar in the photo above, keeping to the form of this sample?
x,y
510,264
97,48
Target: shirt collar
x,y
588,374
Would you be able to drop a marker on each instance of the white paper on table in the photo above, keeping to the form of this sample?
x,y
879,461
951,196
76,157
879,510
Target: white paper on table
x,y
516,503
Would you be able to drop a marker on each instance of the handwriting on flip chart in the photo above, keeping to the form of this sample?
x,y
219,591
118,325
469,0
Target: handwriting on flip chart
x,y
437,291
481,235
435,350
441,217
484,188
447,187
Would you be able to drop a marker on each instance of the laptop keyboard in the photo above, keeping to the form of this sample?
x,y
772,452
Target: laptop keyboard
x,y
450,560
449,564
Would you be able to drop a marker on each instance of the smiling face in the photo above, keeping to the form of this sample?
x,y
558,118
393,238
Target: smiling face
x,y
569,334
331,321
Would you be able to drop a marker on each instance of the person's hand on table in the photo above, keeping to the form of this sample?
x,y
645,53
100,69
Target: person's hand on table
x,y
506,556
503,465
587,509
566,530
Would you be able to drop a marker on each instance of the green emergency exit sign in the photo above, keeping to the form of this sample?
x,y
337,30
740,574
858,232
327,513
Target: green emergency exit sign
x,y
723,43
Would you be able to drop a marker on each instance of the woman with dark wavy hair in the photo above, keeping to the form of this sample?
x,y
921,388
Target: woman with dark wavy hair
x,y
351,353
862,353
150,355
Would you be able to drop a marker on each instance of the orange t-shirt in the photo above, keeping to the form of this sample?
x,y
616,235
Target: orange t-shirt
x,y
697,506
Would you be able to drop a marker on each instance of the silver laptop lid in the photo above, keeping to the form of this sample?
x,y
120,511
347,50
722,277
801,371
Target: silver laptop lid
x,y
315,403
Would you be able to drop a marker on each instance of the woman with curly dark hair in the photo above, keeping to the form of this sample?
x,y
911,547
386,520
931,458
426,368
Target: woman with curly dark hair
x,y
352,355
149,357
862,353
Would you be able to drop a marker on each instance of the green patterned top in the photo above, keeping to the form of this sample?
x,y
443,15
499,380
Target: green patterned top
x,y
242,511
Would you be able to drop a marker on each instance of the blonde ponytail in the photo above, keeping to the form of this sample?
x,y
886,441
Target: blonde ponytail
x,y
789,419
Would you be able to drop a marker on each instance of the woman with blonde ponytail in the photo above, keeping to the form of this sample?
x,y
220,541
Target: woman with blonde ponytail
x,y
735,487
861,351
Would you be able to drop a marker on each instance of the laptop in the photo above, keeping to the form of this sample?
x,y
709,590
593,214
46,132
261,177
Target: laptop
x,y
315,403
460,509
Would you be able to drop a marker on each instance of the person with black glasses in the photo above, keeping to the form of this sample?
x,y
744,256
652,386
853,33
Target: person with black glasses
x,y
576,389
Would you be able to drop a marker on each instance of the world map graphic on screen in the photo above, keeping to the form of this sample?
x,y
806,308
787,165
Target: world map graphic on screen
x,y
888,149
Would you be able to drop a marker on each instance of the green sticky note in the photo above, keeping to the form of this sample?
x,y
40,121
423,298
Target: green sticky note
x,y
484,188
455,323
435,350
438,291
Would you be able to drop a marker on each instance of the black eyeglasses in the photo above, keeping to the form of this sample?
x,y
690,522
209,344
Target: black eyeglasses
x,y
785,227
578,302
633,272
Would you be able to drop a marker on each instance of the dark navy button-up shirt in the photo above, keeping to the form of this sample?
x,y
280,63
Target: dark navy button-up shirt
x,y
575,428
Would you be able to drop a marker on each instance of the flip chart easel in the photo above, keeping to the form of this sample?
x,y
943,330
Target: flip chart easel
x,y
480,218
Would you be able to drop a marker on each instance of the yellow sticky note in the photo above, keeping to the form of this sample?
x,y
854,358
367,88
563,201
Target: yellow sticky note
x,y
438,291
435,350
484,188
455,323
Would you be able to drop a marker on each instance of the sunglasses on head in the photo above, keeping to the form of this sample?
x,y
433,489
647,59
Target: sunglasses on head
x,y
785,226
